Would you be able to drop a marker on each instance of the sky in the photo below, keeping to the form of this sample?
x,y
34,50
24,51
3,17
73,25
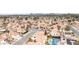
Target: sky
x,y
38,6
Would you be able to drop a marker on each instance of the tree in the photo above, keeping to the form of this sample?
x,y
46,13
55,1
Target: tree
x,y
67,28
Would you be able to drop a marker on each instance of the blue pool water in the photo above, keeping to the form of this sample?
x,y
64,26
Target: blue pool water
x,y
53,41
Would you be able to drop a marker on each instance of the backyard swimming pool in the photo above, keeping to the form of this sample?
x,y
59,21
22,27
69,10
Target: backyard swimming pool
x,y
53,41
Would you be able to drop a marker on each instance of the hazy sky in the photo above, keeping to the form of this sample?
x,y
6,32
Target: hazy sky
x,y
38,6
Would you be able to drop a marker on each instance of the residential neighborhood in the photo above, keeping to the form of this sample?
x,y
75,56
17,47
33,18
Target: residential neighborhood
x,y
39,29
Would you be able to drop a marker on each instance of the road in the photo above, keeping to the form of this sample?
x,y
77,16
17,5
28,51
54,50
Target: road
x,y
25,37
75,30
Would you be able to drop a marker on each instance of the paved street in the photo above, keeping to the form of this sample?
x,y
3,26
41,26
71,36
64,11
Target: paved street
x,y
25,37
75,30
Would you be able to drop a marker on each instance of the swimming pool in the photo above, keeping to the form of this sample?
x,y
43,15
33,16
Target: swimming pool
x,y
53,41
